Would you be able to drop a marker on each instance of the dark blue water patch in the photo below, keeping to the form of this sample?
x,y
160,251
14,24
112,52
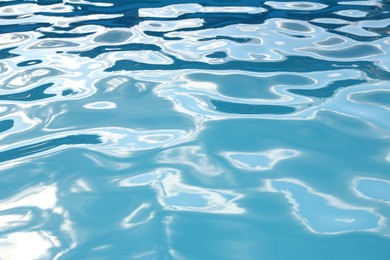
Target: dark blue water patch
x,y
6,125
12,28
217,55
51,35
28,63
29,95
219,37
379,12
383,33
47,145
68,92
238,108
329,26
48,2
6,53
373,71
109,48
328,91
130,8
291,64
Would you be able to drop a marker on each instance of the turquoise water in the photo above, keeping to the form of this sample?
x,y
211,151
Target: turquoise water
x,y
194,130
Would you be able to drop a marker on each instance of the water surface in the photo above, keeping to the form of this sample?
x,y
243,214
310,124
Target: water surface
x,y
194,130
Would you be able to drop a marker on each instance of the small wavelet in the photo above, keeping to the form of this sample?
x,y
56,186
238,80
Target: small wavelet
x,y
237,108
193,156
177,196
259,161
31,149
296,5
113,36
330,216
372,188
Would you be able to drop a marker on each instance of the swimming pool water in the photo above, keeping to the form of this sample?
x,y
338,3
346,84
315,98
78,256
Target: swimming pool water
x,y
194,130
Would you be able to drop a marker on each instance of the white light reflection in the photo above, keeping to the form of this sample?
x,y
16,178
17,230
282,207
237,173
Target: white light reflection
x,y
168,222
372,188
296,5
139,216
13,38
57,21
27,245
35,244
43,197
259,161
322,213
29,9
146,57
49,44
80,185
84,2
102,162
352,13
193,156
8,221
100,105
144,179
174,11
363,3
281,30
192,97
173,194
329,21
23,79
165,26
115,141
345,103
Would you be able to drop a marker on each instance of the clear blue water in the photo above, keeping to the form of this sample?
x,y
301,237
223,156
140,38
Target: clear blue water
x,y
194,130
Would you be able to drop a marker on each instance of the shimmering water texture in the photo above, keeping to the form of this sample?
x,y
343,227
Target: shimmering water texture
x,y
194,130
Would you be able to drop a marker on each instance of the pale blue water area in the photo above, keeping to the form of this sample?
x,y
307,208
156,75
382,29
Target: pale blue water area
x,y
194,129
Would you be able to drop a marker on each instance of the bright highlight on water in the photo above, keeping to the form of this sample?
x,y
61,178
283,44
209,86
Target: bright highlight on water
x,y
194,130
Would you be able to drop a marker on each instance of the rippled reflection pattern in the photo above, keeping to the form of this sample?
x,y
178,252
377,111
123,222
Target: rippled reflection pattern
x,y
194,130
